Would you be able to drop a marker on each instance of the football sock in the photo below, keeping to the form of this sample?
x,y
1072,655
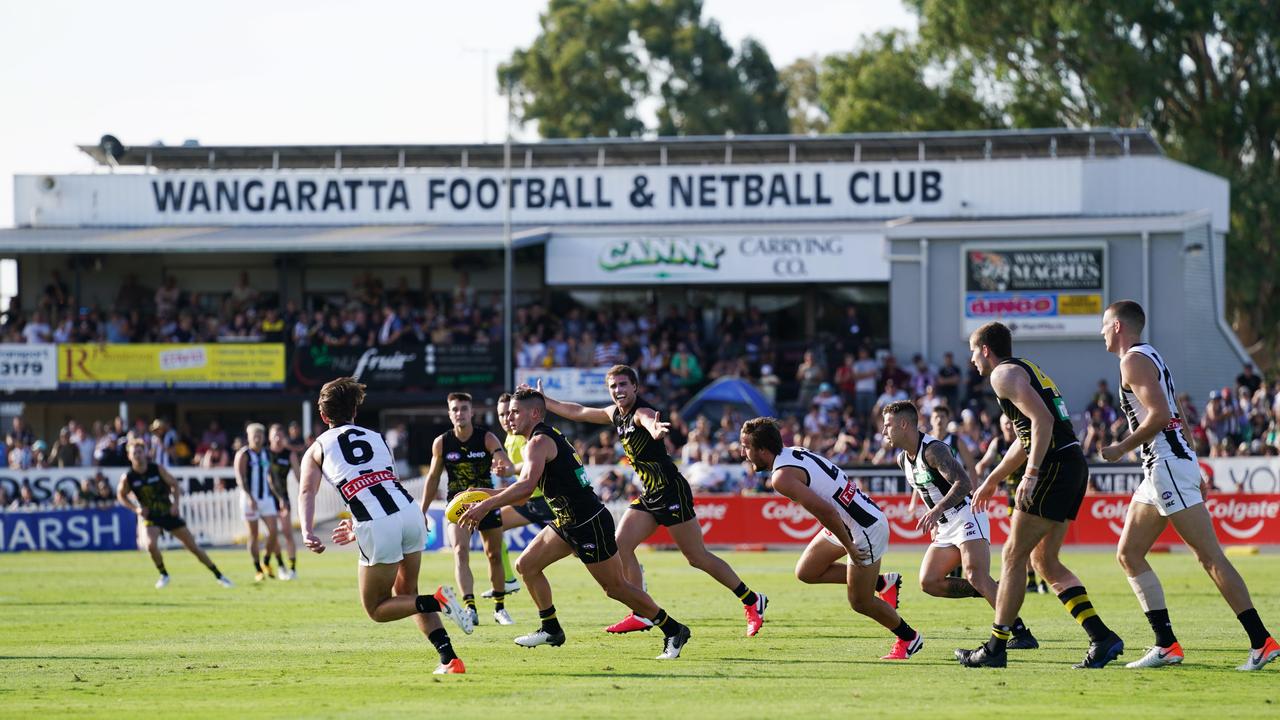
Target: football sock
x,y
744,594
666,623
1031,578
1000,634
160,567
507,573
279,559
293,562
1253,625
1161,626
904,631
427,604
257,564
440,638
499,600
216,572
470,601
1077,603
550,624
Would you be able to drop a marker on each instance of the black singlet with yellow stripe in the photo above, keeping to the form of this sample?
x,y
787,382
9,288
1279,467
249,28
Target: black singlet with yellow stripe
x,y
1064,435
564,482
150,489
468,462
648,457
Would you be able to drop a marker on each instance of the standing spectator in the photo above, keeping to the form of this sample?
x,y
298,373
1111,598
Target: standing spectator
x,y
243,295
1103,396
890,395
214,435
921,375
392,328
37,330
810,375
768,384
685,367
891,371
865,372
85,439
947,383
22,431
845,378
853,328
166,298
65,452
1249,379
160,443
608,352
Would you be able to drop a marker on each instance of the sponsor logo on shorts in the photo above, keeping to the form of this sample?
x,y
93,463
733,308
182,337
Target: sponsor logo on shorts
x,y
968,526
674,507
588,546
1166,495
1169,504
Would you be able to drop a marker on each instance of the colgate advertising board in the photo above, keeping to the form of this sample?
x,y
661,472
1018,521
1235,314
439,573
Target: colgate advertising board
x,y
775,520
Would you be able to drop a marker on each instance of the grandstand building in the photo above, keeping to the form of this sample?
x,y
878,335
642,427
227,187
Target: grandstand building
x,y
928,235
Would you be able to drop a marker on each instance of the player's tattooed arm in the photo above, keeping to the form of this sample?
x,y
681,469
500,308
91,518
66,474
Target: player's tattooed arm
x,y
939,457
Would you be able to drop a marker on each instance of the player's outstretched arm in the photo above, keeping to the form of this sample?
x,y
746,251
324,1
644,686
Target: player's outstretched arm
x,y
308,486
651,421
537,454
576,412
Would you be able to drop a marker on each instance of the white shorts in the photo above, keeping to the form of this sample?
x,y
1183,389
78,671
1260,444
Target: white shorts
x,y
266,507
386,540
1170,485
870,542
963,526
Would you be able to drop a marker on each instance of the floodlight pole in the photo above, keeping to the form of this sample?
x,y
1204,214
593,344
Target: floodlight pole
x,y
508,380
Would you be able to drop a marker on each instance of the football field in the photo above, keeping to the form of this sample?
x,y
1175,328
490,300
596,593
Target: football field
x,y
86,635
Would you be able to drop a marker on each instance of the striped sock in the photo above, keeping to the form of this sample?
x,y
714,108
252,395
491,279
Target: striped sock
x,y
1076,600
469,601
549,622
666,623
744,594
499,600
1000,634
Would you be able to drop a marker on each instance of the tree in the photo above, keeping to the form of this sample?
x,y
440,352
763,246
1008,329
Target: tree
x,y
804,107
1203,75
596,63
881,87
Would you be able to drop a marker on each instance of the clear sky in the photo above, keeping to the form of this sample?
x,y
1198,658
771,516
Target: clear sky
x,y
292,72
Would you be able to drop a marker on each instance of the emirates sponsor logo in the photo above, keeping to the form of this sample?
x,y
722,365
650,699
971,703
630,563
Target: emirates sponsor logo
x,y
1232,512
793,519
709,513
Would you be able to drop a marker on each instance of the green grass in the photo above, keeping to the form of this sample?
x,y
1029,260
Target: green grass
x,y
86,635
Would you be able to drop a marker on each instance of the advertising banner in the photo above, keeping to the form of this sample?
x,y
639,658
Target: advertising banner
x,y
775,520
28,367
1038,291
177,366
401,367
721,258
580,385
109,529
45,482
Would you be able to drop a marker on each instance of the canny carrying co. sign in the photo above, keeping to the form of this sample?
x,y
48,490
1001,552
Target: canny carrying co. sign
x,y
693,258
827,191
1038,291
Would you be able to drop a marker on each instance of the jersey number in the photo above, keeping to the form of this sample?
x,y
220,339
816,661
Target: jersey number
x,y
1047,383
354,450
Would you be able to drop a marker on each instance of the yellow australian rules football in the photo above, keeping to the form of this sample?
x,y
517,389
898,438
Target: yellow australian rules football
x,y
461,502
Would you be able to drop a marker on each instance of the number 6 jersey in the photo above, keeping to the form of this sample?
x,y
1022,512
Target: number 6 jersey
x,y
359,464
830,483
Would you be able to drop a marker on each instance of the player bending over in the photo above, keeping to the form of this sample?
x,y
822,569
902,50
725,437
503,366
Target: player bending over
x,y
959,531
583,526
854,526
388,528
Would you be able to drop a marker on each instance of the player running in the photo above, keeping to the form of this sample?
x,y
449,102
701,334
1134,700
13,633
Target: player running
x,y
960,532
582,526
283,461
257,501
388,529
469,454
1048,498
854,526
155,500
534,511
667,499
1171,491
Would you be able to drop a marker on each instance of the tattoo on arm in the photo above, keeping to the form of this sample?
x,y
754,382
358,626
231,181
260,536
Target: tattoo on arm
x,y
939,457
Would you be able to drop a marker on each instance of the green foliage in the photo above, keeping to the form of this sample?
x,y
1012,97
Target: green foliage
x,y
596,63
1204,76
85,635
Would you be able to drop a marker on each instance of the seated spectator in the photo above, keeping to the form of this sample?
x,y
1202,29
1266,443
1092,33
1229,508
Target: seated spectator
x,y
604,451
26,499
61,501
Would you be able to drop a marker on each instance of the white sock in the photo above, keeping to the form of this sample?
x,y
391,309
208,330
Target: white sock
x,y
1150,594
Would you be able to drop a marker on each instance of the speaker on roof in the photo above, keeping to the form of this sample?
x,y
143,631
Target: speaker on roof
x,y
111,147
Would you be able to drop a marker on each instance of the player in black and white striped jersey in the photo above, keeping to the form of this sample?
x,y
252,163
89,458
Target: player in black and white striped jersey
x,y
257,501
389,530
1171,492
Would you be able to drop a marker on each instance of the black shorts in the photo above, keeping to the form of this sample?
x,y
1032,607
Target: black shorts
x,y
671,505
282,495
1059,489
536,511
592,541
165,521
